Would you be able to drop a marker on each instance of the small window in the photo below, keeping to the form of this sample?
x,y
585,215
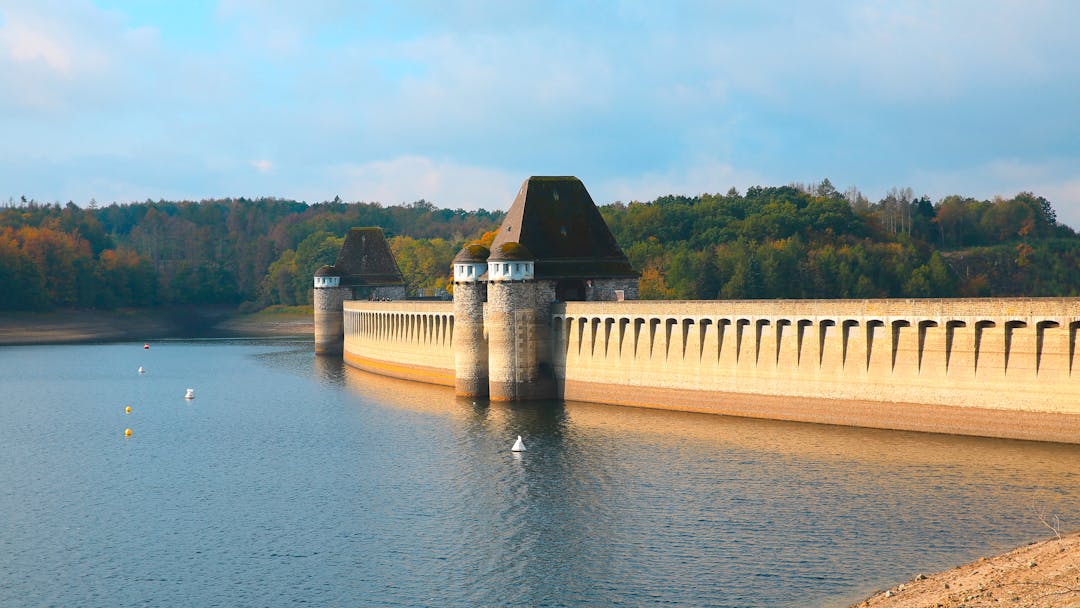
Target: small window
x,y
470,271
517,267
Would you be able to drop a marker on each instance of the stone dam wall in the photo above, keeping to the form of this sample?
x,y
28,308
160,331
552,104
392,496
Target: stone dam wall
x,y
991,367
408,340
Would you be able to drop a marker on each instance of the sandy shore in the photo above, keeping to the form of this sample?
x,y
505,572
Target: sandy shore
x,y
72,327
1041,575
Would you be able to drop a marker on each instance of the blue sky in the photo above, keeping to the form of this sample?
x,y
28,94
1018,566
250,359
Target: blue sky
x,y
458,102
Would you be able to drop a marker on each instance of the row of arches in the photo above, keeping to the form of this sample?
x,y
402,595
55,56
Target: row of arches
x,y
421,328
864,343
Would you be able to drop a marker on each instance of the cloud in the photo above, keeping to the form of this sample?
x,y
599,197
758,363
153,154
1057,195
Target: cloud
x,y
263,165
410,178
71,58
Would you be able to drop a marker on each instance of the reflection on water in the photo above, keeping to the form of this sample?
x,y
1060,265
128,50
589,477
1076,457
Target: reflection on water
x,y
293,478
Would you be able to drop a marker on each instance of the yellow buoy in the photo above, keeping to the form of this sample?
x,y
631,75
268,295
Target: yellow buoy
x,y
127,410
127,432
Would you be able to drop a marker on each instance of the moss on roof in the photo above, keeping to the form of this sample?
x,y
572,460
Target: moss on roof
x,y
471,254
327,271
555,218
510,252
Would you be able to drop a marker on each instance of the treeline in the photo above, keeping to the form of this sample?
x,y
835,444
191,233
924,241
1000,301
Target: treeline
x,y
250,252
799,241
814,242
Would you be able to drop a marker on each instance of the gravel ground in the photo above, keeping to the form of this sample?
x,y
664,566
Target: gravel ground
x,y
1042,575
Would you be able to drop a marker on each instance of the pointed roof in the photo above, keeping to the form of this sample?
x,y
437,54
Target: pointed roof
x,y
557,220
366,260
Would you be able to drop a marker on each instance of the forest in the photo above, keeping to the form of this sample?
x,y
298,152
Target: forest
x,y
796,241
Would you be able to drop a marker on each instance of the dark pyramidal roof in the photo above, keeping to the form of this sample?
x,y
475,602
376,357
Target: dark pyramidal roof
x,y
556,219
366,260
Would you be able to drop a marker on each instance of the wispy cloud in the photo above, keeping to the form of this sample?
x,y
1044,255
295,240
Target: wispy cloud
x,y
457,103
411,178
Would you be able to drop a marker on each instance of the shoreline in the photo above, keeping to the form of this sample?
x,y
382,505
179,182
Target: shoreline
x,y
82,327
1042,574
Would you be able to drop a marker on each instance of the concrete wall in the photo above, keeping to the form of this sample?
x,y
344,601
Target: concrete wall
x,y
410,340
1002,367
993,367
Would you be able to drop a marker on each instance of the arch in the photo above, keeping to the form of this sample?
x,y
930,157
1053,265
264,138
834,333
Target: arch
x,y
1040,340
703,331
823,326
1010,327
979,327
685,325
800,333
570,290
669,323
778,329
869,327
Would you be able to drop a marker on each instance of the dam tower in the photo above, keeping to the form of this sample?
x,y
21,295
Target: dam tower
x,y
553,246
365,269
328,299
517,321
470,342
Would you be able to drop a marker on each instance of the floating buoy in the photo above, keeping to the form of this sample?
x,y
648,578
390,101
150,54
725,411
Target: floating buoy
x,y
190,394
127,432
141,370
519,445
127,410
146,347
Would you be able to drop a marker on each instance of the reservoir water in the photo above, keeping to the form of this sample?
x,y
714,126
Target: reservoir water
x,y
290,480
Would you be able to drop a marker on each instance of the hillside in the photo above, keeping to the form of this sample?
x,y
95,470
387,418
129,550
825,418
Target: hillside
x,y
771,242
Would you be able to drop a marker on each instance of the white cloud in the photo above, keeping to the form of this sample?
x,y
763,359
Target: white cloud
x,y
25,44
263,165
73,57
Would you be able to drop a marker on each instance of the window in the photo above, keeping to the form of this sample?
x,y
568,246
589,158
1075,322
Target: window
x,y
517,267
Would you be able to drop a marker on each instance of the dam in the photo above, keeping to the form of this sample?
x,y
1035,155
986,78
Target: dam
x,y
550,311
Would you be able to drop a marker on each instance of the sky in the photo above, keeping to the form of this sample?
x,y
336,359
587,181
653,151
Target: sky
x,y
458,102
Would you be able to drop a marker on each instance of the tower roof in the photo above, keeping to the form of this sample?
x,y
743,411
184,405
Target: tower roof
x,y
471,254
556,219
366,260
511,252
327,271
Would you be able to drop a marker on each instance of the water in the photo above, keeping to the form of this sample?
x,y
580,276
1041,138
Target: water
x,y
291,480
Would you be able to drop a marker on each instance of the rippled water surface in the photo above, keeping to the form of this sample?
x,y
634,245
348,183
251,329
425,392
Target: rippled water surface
x,y
290,480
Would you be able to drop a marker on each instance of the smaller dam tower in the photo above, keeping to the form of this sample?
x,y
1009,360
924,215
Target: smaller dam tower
x,y
329,326
365,268
470,343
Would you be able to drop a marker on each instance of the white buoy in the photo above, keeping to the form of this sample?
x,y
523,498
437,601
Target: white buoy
x,y
190,394
141,370
519,445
